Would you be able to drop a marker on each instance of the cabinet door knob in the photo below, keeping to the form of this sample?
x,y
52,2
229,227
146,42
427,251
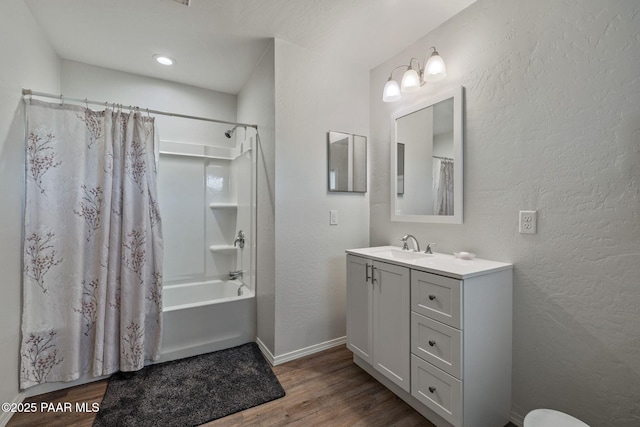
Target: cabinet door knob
x,y
432,297
432,343
367,272
432,389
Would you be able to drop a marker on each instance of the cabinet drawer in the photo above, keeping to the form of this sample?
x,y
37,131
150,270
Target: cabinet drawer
x,y
436,297
436,389
437,343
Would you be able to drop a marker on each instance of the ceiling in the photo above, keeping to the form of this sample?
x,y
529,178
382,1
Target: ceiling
x,y
217,43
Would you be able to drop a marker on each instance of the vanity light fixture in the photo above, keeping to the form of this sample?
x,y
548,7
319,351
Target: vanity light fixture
x,y
164,59
413,79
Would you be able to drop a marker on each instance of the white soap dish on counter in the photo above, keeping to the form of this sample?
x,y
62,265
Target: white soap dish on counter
x,y
464,255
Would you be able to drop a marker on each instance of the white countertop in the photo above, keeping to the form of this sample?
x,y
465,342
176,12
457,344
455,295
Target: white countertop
x,y
438,263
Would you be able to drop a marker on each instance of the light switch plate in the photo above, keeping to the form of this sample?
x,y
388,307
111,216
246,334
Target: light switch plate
x,y
333,217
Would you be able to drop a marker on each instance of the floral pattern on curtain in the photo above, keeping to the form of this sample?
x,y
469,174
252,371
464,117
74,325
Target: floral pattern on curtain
x,y
443,188
92,278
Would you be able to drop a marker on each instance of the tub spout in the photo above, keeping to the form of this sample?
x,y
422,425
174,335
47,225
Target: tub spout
x,y
240,292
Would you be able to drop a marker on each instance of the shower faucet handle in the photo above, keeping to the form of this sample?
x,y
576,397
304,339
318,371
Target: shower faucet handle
x,y
239,241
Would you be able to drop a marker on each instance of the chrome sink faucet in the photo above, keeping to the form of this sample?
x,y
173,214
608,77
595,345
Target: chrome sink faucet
x,y
405,246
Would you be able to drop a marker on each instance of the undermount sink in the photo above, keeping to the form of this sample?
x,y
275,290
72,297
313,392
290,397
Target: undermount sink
x,y
401,254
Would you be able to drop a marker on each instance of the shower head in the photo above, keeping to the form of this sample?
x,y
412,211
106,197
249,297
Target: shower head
x,y
230,132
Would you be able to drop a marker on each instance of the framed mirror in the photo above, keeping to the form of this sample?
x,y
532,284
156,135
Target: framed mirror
x,y
426,160
347,162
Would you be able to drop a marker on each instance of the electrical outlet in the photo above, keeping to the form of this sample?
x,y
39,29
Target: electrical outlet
x,y
527,222
333,217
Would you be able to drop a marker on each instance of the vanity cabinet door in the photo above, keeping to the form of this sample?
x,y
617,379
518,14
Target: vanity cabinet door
x,y
359,306
391,323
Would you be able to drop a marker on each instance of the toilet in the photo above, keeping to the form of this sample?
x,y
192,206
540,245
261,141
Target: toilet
x,y
551,418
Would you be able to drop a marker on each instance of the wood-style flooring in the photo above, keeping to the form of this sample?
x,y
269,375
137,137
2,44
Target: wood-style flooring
x,y
324,389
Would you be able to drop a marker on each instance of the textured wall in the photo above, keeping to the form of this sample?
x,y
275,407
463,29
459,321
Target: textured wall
x,y
102,84
552,124
314,93
256,104
29,62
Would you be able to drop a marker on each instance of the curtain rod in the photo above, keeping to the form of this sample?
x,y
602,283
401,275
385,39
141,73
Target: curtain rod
x,y
30,93
442,158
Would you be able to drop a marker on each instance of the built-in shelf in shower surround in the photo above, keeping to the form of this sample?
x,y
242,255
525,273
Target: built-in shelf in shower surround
x,y
228,249
172,148
223,205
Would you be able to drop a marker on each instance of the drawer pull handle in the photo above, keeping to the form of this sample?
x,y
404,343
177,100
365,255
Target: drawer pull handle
x,y
432,297
432,343
432,389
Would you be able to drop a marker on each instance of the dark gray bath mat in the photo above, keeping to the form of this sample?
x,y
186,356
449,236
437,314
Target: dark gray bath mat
x,y
189,392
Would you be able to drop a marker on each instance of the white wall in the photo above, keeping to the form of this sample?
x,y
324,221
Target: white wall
x,y
301,272
256,104
101,84
552,124
313,96
29,62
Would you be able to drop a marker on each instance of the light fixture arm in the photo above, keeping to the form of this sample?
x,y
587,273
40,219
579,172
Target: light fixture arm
x,y
399,66
419,70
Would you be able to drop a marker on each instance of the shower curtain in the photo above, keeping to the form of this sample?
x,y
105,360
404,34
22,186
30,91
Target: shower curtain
x,y
443,188
92,261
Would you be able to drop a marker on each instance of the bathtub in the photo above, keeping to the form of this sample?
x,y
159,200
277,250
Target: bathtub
x,y
202,317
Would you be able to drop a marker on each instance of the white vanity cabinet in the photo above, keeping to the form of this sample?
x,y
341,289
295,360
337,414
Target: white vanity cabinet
x,y
378,300
449,323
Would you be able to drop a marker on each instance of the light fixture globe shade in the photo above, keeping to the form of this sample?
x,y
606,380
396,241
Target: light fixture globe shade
x,y
434,70
391,92
410,81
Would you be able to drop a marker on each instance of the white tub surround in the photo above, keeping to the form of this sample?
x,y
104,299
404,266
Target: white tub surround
x,y
202,317
435,330
208,196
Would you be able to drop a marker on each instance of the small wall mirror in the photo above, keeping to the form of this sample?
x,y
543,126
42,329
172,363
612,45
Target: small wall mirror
x,y
426,161
347,162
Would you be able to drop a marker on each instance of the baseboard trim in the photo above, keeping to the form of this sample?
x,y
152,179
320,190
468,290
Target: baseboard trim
x,y
265,351
6,416
297,354
517,418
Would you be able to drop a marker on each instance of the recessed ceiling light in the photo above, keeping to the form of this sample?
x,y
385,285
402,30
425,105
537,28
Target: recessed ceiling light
x,y
164,60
